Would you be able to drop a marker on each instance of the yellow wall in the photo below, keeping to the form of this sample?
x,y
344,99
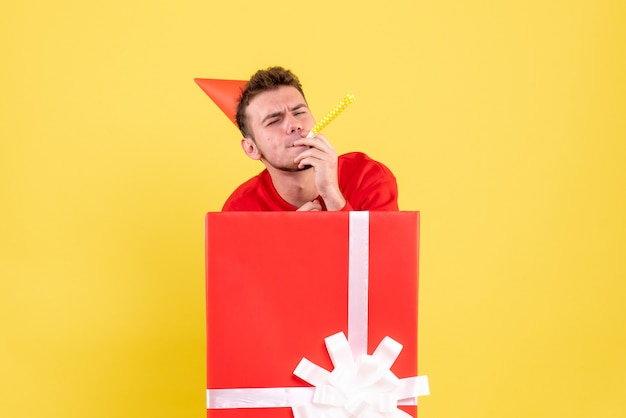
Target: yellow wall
x,y
503,121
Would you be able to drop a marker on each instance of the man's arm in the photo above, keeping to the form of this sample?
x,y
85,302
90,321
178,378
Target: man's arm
x,y
367,184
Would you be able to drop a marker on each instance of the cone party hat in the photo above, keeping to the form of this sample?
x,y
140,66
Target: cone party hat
x,y
225,94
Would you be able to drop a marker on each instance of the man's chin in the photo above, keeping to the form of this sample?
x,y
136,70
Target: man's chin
x,y
293,168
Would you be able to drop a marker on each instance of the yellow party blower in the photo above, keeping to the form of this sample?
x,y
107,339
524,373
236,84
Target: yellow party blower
x,y
347,100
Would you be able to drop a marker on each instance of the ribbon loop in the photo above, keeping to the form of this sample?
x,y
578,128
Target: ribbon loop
x,y
387,351
365,389
311,372
339,349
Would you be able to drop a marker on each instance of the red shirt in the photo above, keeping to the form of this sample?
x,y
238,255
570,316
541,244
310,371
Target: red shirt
x,y
365,184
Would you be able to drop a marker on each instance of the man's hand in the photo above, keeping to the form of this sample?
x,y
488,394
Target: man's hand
x,y
323,158
311,206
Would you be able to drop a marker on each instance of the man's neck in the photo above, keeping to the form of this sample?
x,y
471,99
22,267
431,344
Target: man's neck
x,y
295,187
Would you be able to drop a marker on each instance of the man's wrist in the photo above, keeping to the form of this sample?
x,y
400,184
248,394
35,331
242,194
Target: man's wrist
x,y
333,203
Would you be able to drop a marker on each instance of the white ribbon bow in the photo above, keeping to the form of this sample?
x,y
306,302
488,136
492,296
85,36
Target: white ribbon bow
x,y
366,388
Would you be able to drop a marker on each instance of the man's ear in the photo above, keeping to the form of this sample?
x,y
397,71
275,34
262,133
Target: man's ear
x,y
249,147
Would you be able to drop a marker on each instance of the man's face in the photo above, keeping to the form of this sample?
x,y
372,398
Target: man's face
x,y
277,118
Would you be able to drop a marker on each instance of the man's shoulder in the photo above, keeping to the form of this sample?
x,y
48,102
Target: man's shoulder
x,y
366,183
250,184
355,156
360,161
245,194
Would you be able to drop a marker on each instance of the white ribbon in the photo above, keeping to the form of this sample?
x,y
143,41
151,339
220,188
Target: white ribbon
x,y
358,281
258,397
364,388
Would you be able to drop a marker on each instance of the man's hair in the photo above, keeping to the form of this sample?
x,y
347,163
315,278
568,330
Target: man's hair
x,y
263,80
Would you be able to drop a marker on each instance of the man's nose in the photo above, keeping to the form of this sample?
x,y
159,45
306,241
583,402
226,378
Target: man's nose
x,y
293,124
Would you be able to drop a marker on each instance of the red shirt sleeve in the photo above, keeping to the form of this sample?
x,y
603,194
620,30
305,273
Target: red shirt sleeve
x,y
367,184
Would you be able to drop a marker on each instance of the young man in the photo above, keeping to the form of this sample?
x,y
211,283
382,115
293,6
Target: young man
x,y
301,173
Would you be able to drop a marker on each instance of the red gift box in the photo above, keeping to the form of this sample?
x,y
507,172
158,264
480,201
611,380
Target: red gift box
x,y
280,283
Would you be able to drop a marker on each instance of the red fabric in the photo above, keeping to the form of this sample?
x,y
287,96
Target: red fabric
x,y
272,297
366,185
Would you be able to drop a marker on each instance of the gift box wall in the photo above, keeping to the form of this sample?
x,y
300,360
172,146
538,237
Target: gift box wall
x,y
277,285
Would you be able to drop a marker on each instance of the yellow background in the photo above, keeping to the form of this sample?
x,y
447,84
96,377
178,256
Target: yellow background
x,y
504,123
